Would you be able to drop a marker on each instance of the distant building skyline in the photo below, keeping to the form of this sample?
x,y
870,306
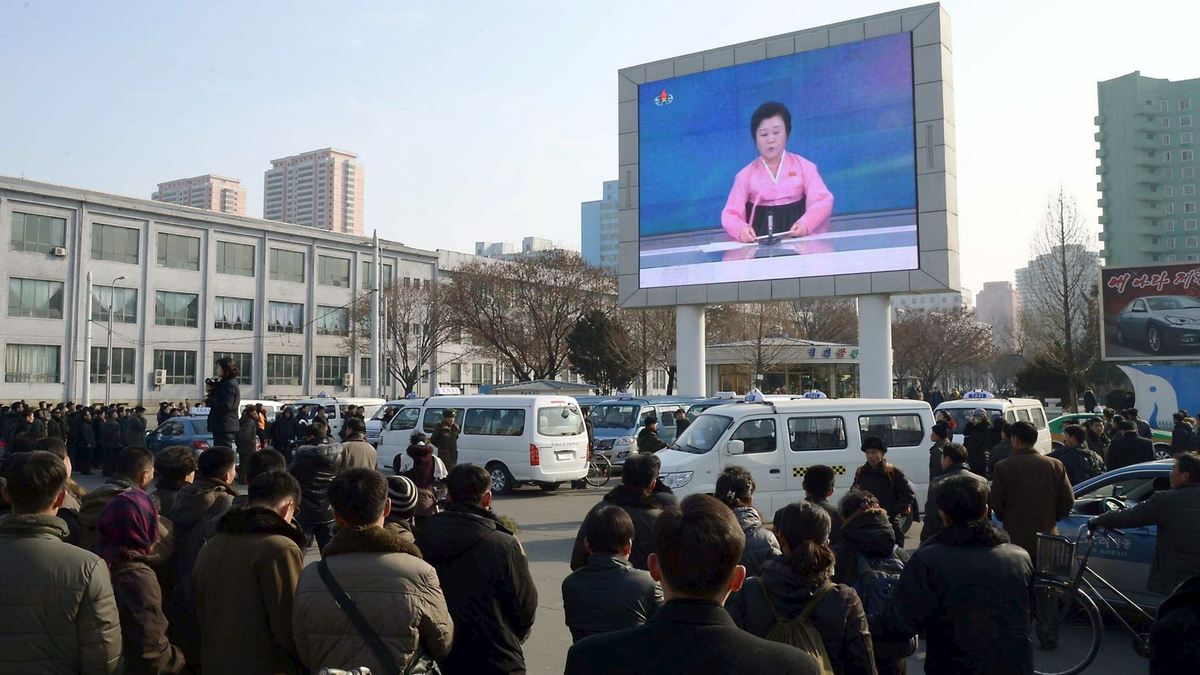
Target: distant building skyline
x,y
999,306
210,192
506,250
598,228
320,188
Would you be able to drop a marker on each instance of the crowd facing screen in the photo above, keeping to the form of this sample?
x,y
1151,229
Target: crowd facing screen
x,y
796,166
1150,312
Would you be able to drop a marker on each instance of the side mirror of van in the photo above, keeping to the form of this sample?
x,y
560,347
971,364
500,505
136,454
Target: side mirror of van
x,y
735,447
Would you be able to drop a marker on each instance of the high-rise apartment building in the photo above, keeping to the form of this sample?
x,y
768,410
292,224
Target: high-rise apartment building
x,y
214,193
322,188
1148,170
509,251
598,228
999,306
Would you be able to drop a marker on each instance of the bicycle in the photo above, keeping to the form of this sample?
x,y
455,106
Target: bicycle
x,y
599,470
1067,625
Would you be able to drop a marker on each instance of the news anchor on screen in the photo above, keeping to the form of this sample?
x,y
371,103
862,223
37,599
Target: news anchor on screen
x,y
780,187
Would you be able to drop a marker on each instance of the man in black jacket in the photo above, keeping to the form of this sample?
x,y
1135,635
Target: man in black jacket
x,y
954,463
223,401
608,594
939,437
1080,463
484,576
635,496
978,437
967,589
647,439
699,547
316,465
1129,448
111,440
887,482
135,433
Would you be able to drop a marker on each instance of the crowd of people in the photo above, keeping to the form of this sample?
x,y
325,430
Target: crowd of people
x,y
195,562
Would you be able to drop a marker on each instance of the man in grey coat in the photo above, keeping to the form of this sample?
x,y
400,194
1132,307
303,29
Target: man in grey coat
x,y
1176,512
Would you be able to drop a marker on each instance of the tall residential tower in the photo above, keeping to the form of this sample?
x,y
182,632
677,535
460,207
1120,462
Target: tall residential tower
x,y
214,193
598,228
322,188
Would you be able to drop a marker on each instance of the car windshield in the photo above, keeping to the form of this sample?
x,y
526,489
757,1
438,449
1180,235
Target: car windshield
x,y
962,416
201,426
615,416
703,434
385,412
1173,302
559,421
694,411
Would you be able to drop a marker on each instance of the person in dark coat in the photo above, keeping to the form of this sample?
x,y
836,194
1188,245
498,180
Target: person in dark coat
x,y
1128,448
85,442
681,423
1175,637
284,431
800,576
425,470
647,439
735,489
608,594
1030,491
979,436
247,440
1097,440
699,546
818,488
484,576
1002,450
866,531
940,435
635,495
1142,426
1079,462
135,432
954,463
223,401
164,412
1089,401
1183,435
111,441
316,464
174,468
37,425
967,567
445,438
887,482
128,529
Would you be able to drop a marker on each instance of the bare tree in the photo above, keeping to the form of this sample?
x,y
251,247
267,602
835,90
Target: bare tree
x,y
931,344
524,309
753,329
1058,282
415,328
651,341
825,320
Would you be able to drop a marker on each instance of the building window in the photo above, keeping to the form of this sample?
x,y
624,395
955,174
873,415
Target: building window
x,y
1169,208
1169,258
32,364
1166,139
1189,224
1189,207
34,233
233,313
1162,105
178,252
364,371
113,243
1189,190
176,309
331,370
1186,155
1185,121
235,259
123,365
1169,225
285,317
332,321
1170,242
385,275
1164,122
333,271
1185,104
35,298
1189,242
180,365
1168,191
124,305
243,360
1168,174
1167,157
1189,172
1185,138
285,369
287,265
455,373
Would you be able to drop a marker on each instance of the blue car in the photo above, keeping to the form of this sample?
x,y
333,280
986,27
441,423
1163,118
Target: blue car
x,y
192,431
1126,564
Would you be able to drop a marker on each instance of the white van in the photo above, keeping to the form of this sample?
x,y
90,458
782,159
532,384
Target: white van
x,y
1013,409
518,439
777,441
335,408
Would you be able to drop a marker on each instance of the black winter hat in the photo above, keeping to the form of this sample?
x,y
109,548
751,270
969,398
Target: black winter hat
x,y
874,442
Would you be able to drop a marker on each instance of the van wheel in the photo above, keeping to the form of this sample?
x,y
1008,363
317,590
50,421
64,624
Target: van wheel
x,y
549,487
502,480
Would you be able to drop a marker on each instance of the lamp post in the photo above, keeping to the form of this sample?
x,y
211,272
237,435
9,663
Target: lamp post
x,y
112,298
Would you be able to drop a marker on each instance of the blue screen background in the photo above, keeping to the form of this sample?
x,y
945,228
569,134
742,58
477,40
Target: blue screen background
x,y
852,115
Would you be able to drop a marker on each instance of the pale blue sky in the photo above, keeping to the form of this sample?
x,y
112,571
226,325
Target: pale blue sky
x,y
490,120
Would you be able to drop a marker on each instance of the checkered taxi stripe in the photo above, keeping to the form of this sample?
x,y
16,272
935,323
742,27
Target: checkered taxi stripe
x,y
838,470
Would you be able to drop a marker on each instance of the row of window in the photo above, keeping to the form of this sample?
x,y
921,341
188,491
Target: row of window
x,y
41,234
1191,257
40,364
1188,224
1184,155
1184,121
1184,139
1164,106
1188,207
1188,242
1185,172
1188,190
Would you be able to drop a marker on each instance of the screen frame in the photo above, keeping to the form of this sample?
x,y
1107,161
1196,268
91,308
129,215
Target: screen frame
x,y
933,144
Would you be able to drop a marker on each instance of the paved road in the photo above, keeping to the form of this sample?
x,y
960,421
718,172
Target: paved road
x,y
548,523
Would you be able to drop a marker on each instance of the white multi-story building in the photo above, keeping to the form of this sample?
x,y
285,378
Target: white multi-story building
x,y
322,189
939,301
214,193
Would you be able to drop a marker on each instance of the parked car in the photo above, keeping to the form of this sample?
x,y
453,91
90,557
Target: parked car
x,y
618,421
1162,439
189,430
1164,323
1125,565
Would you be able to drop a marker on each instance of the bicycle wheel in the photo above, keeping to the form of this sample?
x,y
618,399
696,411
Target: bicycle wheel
x,y
599,470
1066,629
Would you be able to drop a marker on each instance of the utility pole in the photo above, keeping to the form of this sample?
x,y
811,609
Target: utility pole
x,y
108,367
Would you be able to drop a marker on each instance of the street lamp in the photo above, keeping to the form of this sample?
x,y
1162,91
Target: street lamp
x,y
112,298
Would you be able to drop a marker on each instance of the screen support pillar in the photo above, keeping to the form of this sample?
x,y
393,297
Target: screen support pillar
x,y
690,359
875,346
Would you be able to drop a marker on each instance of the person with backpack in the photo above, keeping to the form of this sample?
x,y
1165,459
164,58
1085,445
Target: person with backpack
x,y
794,602
735,489
869,561
1080,463
1183,436
887,482
967,589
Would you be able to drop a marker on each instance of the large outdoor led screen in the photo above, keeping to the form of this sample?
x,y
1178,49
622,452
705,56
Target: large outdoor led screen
x,y
790,167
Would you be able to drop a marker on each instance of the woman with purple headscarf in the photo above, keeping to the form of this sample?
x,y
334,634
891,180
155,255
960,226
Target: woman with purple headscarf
x,y
128,528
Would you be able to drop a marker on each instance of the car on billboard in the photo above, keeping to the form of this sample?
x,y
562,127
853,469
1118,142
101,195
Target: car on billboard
x,y
1163,323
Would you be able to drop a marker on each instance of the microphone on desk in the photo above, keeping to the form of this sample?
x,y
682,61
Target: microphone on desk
x,y
770,229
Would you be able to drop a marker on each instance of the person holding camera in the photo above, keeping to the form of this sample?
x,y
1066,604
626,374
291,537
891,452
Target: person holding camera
x,y
223,400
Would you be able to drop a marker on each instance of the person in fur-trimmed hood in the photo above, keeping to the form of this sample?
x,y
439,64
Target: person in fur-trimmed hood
x,y
382,572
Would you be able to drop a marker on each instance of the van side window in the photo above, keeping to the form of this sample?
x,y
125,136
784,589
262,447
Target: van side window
x,y
757,435
666,415
895,430
490,422
1022,415
433,417
817,433
1039,418
405,419
331,410
1010,417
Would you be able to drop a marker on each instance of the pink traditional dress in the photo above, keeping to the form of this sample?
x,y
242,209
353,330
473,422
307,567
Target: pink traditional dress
x,y
794,193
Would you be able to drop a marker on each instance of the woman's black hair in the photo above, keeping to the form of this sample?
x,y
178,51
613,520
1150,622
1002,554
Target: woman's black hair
x,y
416,438
768,110
805,528
735,487
229,369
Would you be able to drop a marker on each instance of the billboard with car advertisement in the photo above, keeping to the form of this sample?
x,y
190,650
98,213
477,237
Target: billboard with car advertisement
x,y
1150,312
